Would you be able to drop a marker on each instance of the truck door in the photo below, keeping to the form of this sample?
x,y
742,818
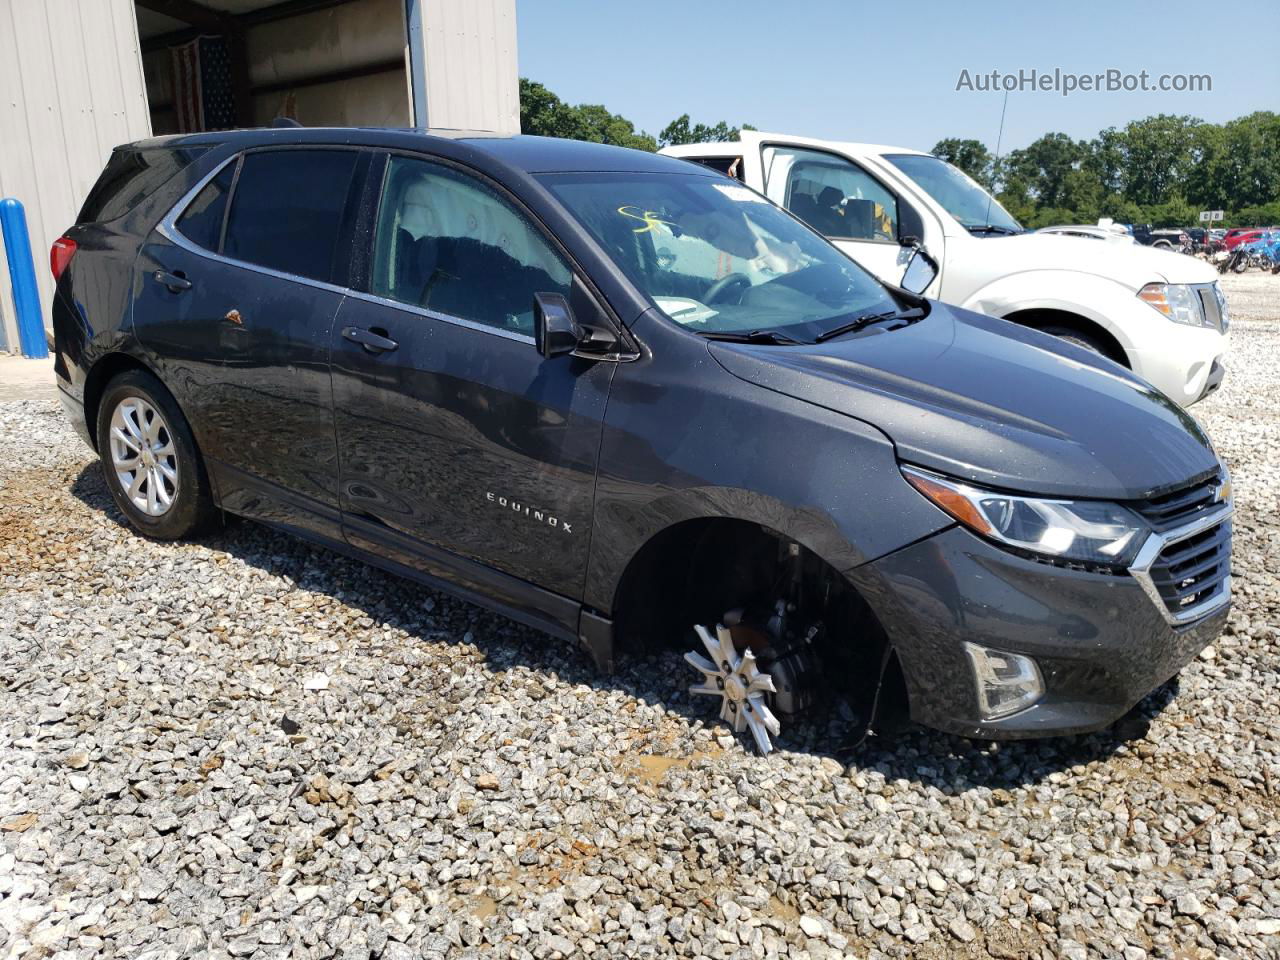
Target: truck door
x,y
836,197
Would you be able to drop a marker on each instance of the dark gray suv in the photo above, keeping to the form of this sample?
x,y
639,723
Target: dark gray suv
x,y
630,402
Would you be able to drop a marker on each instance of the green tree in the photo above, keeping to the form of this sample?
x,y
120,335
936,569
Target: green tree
x,y
680,130
971,156
544,114
1158,157
1045,165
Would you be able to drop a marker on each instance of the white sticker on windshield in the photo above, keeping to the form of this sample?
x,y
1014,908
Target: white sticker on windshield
x,y
740,193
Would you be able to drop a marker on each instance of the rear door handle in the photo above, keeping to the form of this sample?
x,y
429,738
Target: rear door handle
x,y
375,340
174,282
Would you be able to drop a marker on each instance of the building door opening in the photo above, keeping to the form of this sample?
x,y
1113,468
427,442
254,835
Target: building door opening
x,y
221,64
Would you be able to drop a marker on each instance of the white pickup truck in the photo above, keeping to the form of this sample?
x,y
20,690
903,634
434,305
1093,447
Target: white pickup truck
x,y
1160,314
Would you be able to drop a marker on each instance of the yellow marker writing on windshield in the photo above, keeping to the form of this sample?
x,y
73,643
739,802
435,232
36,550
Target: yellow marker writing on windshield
x,y
649,218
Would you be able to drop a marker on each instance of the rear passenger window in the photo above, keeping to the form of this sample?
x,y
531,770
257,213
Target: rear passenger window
x,y
451,244
287,210
201,222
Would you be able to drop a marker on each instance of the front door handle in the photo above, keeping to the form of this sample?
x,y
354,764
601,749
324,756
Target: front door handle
x,y
173,282
374,340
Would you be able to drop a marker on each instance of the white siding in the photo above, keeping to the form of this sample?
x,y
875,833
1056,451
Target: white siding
x,y
469,58
71,89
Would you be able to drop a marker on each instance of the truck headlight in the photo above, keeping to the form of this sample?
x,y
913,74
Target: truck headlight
x,y
1177,301
1080,531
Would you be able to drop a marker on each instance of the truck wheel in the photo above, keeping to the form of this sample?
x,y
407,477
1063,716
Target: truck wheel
x,y
1077,338
149,459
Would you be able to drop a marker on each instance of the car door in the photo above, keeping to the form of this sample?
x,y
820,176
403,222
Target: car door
x,y
461,448
237,300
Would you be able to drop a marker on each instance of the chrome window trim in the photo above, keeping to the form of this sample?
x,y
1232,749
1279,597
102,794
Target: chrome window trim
x,y
169,230
433,315
1155,545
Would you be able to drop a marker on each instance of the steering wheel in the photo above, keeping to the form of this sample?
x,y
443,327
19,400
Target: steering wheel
x,y
718,288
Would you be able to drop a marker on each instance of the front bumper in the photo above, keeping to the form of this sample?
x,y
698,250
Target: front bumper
x,y
1183,362
1099,640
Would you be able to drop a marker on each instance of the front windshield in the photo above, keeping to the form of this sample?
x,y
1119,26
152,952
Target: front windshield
x,y
717,258
958,195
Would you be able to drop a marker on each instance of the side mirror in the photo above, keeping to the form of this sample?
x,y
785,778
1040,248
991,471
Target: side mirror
x,y
555,332
921,270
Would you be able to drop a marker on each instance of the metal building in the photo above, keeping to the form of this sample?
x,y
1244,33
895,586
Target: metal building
x,y
78,77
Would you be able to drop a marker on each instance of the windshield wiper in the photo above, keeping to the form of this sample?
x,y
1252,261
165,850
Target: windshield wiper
x,y
992,228
755,336
857,323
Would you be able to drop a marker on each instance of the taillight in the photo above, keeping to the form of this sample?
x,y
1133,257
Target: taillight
x,y
60,254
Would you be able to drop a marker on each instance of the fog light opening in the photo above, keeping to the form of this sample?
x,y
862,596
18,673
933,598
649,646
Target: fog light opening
x,y
1006,682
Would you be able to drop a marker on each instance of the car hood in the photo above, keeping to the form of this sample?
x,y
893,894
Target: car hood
x,y
994,403
1131,265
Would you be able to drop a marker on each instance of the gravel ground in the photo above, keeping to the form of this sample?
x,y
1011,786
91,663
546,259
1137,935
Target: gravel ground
x,y
248,747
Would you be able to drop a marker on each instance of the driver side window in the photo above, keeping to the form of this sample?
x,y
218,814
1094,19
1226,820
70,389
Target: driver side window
x,y
832,195
448,243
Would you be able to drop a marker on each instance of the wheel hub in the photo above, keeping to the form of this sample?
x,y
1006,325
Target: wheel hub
x,y
738,682
143,456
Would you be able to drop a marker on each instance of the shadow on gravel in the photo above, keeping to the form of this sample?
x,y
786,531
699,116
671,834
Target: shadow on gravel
x,y
912,753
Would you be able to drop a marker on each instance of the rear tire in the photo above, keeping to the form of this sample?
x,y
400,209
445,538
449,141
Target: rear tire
x,y
149,459
1079,339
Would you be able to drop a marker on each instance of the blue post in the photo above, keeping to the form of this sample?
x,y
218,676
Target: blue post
x,y
22,279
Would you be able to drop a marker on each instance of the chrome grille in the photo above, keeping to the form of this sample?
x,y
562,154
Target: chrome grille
x,y
1213,305
1190,572
1176,509
1185,565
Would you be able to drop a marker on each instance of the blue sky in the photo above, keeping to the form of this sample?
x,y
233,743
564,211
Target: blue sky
x,y
887,72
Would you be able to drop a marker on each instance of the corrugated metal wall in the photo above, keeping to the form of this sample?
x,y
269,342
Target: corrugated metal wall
x,y
469,56
70,89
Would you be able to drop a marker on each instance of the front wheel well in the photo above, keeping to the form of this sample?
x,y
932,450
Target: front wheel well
x,y
1039,319
696,571
100,374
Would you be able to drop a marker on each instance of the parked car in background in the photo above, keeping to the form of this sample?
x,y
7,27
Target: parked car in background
x,y
1157,313
1234,238
1162,238
518,369
1090,232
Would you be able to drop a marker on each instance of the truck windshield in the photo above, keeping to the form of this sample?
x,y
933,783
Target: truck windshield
x,y
975,209
718,258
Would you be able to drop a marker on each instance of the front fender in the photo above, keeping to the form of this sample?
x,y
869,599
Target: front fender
x,y
684,439
1096,299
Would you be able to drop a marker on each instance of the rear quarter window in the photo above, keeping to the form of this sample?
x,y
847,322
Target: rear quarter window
x,y
132,174
201,222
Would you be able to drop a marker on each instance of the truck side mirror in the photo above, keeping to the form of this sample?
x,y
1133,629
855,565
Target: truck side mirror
x,y
921,271
555,332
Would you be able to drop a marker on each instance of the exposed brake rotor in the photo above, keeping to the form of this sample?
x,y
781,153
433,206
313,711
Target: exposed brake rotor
x,y
738,681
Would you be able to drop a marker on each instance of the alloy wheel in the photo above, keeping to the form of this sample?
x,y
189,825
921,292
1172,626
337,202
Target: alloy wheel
x,y
738,682
143,456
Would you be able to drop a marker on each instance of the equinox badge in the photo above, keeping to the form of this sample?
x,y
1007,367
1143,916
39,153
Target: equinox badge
x,y
541,516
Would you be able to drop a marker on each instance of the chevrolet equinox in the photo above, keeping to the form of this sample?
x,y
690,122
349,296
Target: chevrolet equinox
x,y
631,402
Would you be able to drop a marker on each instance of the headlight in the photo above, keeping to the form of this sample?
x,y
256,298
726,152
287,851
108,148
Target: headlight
x,y
1177,301
1080,531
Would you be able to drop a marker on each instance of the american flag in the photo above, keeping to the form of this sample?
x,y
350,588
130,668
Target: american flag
x,y
202,85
